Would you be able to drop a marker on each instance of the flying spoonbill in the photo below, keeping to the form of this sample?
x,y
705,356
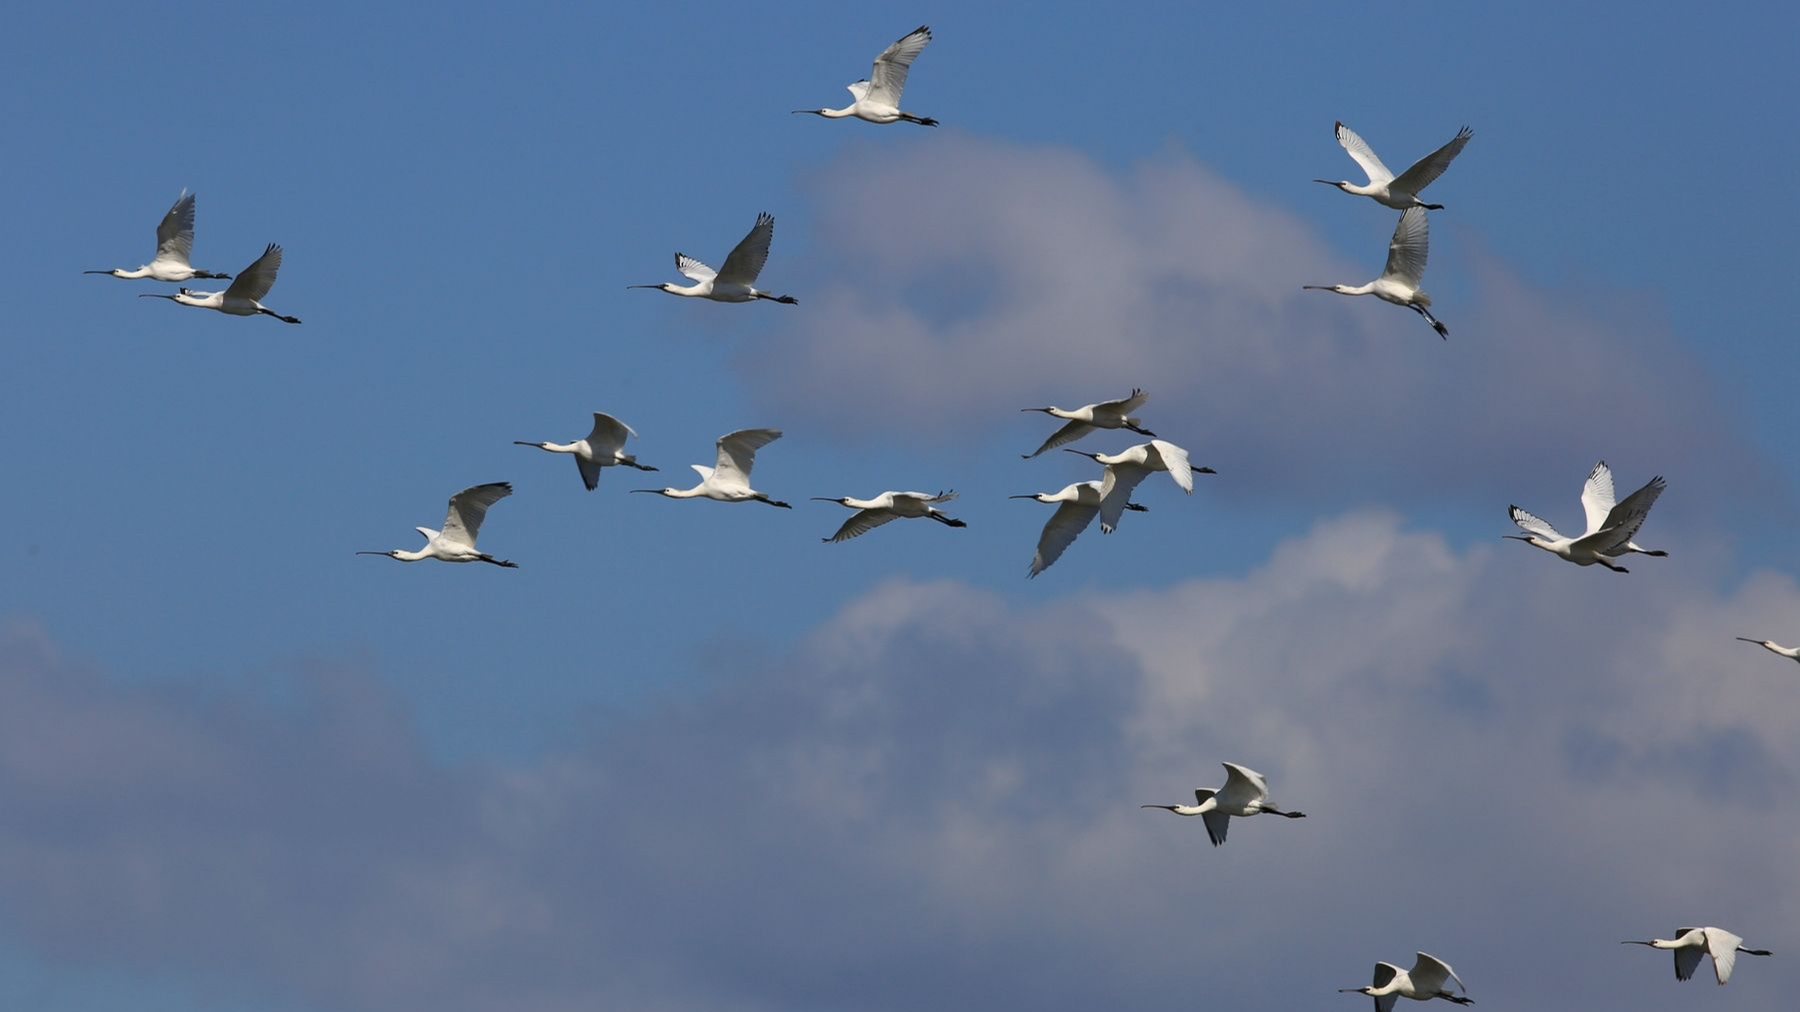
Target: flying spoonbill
x,y
878,98
1791,653
872,513
1245,793
603,447
456,542
1423,982
1608,537
1402,192
1083,420
174,241
736,281
1692,943
240,298
1399,281
1597,502
1128,467
728,480
1079,503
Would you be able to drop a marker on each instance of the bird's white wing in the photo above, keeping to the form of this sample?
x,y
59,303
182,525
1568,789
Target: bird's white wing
x,y
861,522
1606,539
746,259
1065,525
1127,404
608,433
737,454
1365,156
254,281
1638,502
693,269
1723,945
1067,434
1429,973
1244,783
1175,459
858,89
468,508
928,497
1531,523
1597,496
1687,958
1408,248
1115,492
1427,169
175,233
888,78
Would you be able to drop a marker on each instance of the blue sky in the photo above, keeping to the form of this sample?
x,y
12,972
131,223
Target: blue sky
x,y
1111,201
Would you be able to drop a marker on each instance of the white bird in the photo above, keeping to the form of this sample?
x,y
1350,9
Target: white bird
x,y
1423,982
1791,653
1401,192
1080,502
1690,944
174,242
728,480
1597,502
1128,467
1246,793
736,281
872,513
241,297
878,98
1608,535
603,447
1399,281
1083,420
456,542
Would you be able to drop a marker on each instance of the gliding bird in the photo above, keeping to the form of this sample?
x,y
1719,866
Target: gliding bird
x,y
1690,944
1398,192
1597,502
1245,793
174,242
1399,281
1083,420
734,282
1080,502
456,542
1128,467
603,447
1423,982
241,297
729,479
1791,653
1608,536
878,98
872,513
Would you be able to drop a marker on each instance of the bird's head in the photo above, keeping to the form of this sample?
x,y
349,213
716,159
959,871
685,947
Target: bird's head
x,y
1048,411
1339,183
809,112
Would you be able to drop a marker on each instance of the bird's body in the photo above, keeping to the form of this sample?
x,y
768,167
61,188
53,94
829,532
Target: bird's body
x,y
1246,793
1127,468
872,513
1398,192
1077,505
728,480
1690,944
877,99
241,297
1791,653
456,542
174,243
603,447
1115,414
1405,271
1609,532
734,282
1428,979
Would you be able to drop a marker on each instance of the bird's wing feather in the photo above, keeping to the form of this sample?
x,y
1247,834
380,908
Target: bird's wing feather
x,y
1127,404
1115,492
1597,496
1217,825
1064,526
590,472
888,79
1723,945
693,269
858,89
1364,155
746,259
254,281
1409,247
175,233
1243,782
1430,972
1638,502
608,433
1608,538
737,454
1175,459
462,523
861,522
1687,958
1427,169
1067,434
1531,523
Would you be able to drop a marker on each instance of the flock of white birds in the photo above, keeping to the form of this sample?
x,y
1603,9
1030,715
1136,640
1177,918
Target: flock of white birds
x,y
1611,525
